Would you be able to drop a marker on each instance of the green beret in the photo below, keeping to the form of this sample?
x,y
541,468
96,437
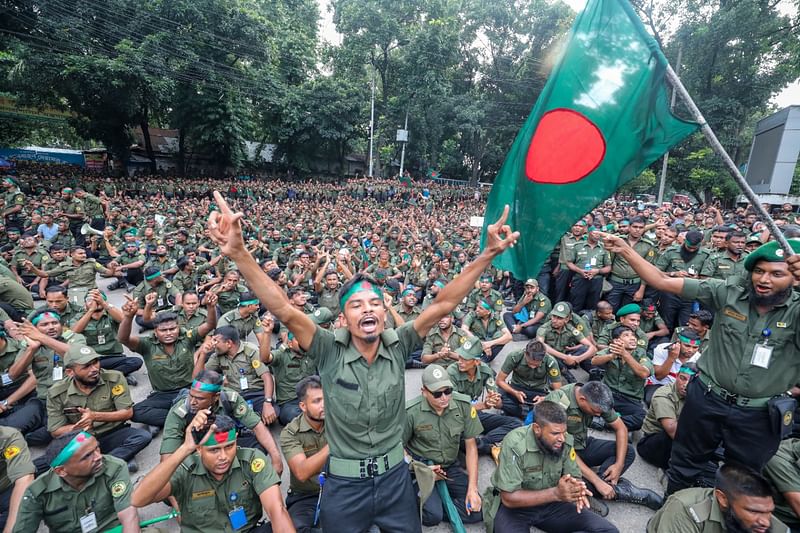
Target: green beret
x,y
771,252
628,310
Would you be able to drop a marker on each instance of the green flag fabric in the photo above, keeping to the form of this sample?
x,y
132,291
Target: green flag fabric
x,y
602,117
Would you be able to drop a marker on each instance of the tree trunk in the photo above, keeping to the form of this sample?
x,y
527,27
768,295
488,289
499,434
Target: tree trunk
x,y
181,153
148,145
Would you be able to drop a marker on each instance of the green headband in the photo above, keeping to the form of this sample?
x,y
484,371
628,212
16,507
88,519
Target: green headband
x,y
71,447
358,287
486,305
205,387
67,190
687,340
254,301
439,284
687,370
221,437
153,276
46,314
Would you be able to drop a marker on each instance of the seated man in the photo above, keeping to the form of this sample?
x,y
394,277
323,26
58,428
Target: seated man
x,y
154,294
207,395
741,501
305,447
16,476
200,474
652,324
602,316
475,379
436,423
79,475
783,473
442,342
245,319
628,315
19,408
569,345
529,312
661,421
533,375
96,400
537,481
490,331
602,462
669,358
701,323
627,367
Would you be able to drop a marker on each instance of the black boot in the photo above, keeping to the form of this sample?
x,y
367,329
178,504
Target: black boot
x,y
630,493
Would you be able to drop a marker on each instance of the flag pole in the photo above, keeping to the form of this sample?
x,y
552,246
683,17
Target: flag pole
x,y
677,85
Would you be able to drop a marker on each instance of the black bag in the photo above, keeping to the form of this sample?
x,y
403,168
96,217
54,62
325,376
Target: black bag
x,y
781,414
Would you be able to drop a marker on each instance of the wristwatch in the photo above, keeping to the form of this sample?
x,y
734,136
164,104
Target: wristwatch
x,y
269,400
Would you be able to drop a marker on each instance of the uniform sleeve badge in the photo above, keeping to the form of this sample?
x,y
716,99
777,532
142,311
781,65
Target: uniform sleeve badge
x,y
473,412
572,454
499,322
258,323
579,327
11,452
242,409
118,489
118,389
257,465
576,332
256,363
499,302
189,334
462,340
640,342
542,303
554,372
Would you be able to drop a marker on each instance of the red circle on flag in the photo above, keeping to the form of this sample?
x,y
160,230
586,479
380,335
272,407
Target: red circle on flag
x,y
565,148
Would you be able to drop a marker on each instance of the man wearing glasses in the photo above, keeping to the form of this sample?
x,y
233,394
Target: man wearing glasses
x,y
436,421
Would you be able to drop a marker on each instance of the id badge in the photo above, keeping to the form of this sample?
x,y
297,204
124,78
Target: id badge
x,y
762,354
58,375
593,261
101,339
160,302
237,517
6,379
88,523
243,383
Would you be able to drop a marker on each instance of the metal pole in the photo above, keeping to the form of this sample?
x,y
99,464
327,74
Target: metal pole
x,y
371,123
729,164
403,151
664,164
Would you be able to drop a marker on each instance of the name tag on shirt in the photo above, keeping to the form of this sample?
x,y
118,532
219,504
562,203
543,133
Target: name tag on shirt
x,y
88,523
101,339
761,355
58,373
243,383
6,379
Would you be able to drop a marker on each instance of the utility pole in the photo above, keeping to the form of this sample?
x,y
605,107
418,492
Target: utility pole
x,y
403,151
372,122
665,162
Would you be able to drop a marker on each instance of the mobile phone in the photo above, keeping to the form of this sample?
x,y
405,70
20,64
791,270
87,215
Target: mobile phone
x,y
71,411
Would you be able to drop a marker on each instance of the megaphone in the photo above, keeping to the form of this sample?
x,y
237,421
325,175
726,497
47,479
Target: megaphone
x,y
86,229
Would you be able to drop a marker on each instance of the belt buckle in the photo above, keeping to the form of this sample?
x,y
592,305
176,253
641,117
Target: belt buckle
x,y
729,397
369,468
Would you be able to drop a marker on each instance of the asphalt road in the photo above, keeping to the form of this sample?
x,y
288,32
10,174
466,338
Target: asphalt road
x,y
627,517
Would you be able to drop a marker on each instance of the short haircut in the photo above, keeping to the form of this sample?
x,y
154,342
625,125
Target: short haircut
x,y
548,412
619,330
191,293
735,234
294,291
149,271
58,444
166,316
228,333
303,386
705,317
535,349
56,288
737,480
638,220
182,262
598,395
211,377
224,423
247,295
603,305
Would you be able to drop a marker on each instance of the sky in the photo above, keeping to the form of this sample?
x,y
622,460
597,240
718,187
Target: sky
x,y
789,96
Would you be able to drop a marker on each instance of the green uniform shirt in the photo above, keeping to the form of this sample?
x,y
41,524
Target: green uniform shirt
x,y
329,299
560,340
101,334
70,313
783,472
45,359
432,437
588,257
73,206
16,457
619,375
494,296
38,258
720,266
364,403
665,404
50,499
434,342
15,295
671,261
695,510
110,394
245,326
620,266
205,502
646,325
8,355
289,368
523,376
230,403
523,466
244,364
199,317
81,276
737,329
567,244
484,379
229,300
163,291
184,282
296,438
577,421
493,329
169,372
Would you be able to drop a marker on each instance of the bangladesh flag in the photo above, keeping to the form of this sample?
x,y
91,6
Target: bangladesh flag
x,y
602,117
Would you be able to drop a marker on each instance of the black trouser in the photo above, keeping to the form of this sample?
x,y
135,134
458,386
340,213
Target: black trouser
x,y
120,363
153,409
561,290
5,500
556,517
13,313
388,501
528,331
621,293
585,293
649,391
40,436
26,416
124,441
674,310
256,399
512,407
302,508
75,229
655,448
288,411
495,428
747,435
630,410
144,324
602,453
433,512
496,349
134,276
